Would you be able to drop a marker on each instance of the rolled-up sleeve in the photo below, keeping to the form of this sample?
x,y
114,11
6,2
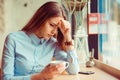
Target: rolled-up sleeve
x,y
69,56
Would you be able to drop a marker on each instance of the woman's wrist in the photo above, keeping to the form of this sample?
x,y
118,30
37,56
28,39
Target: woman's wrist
x,y
69,45
67,39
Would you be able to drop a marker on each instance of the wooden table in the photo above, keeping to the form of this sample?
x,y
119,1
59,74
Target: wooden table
x,y
98,75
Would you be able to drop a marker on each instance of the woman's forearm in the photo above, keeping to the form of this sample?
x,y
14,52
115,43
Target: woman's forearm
x,y
73,62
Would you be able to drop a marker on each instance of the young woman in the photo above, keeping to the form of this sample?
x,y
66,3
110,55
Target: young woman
x,y
27,53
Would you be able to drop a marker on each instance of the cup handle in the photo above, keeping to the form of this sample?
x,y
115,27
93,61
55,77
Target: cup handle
x,y
67,64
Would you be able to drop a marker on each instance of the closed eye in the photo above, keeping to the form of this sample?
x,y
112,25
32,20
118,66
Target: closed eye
x,y
52,25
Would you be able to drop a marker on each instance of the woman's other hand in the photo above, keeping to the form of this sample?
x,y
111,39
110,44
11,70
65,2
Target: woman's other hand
x,y
50,72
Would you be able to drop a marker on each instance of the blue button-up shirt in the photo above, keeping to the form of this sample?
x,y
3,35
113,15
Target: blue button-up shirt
x,y
25,54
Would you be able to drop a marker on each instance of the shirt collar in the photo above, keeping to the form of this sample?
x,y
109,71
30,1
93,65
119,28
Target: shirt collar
x,y
36,40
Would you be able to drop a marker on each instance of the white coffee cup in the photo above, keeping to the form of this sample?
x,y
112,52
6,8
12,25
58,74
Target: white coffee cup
x,y
56,62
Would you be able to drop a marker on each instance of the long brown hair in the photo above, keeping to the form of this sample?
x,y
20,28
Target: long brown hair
x,y
46,11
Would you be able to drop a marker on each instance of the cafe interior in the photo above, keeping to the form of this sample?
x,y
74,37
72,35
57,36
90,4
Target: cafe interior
x,y
95,31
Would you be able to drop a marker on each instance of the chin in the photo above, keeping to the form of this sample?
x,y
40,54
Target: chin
x,y
47,38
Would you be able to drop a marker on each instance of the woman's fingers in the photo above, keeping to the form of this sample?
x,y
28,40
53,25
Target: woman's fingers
x,y
65,26
52,71
56,69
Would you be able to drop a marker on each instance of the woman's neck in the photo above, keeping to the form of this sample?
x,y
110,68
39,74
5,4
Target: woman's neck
x,y
38,34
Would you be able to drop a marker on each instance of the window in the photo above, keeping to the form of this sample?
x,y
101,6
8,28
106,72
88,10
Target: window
x,y
109,32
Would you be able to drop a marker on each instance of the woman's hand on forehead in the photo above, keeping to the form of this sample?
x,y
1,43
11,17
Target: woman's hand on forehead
x,y
64,25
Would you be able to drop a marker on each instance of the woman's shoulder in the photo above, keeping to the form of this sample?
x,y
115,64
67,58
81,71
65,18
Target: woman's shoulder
x,y
16,35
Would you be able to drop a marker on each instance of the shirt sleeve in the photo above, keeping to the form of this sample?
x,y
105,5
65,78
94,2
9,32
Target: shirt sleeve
x,y
8,61
69,56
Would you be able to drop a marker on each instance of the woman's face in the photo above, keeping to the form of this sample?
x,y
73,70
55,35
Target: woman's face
x,y
50,27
